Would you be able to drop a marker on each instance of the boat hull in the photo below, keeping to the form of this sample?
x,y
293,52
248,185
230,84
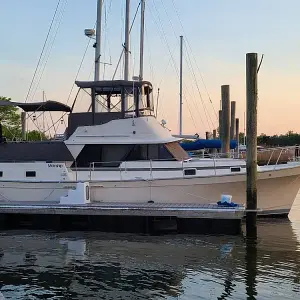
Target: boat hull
x,y
277,190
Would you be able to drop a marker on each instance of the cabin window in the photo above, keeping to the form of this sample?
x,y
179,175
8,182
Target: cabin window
x,y
189,172
1,173
235,169
30,174
102,155
149,152
112,155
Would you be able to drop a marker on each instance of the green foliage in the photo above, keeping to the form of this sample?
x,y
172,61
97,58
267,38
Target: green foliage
x,y
35,135
288,139
10,119
241,138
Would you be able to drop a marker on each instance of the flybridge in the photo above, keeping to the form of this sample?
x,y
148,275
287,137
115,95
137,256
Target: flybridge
x,y
122,96
119,99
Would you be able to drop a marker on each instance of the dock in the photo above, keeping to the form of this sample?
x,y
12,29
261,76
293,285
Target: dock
x,y
149,218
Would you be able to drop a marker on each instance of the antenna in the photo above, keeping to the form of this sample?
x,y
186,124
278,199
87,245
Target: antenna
x,y
142,40
180,88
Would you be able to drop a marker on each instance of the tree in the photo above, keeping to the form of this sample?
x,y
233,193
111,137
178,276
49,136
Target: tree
x,y
11,124
10,120
241,138
35,135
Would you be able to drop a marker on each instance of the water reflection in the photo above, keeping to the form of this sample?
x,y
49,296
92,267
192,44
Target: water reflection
x,y
106,266
251,268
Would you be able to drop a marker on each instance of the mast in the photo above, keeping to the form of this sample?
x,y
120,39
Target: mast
x,y
98,46
98,40
126,50
180,88
142,39
126,44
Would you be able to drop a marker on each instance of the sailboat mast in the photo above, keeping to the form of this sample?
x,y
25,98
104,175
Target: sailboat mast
x,y
98,40
126,44
180,88
142,39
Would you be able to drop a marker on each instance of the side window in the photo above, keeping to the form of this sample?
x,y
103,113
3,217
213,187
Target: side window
x,y
138,152
149,152
164,153
153,151
30,174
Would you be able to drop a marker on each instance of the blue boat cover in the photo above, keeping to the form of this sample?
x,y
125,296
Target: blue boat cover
x,y
205,144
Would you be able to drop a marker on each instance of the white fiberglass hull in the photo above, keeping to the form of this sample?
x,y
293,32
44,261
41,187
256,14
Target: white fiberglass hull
x,y
24,191
277,190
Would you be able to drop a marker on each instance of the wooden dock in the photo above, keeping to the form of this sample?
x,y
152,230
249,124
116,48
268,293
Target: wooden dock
x,y
123,217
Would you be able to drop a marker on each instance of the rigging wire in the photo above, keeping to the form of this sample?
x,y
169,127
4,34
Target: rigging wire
x,y
157,98
207,115
78,71
122,52
195,79
188,106
47,50
152,77
106,31
163,36
44,45
47,55
202,79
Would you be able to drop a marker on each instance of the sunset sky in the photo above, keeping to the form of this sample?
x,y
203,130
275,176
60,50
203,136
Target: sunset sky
x,y
217,35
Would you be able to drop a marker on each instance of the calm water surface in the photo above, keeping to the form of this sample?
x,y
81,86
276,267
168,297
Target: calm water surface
x,y
77,265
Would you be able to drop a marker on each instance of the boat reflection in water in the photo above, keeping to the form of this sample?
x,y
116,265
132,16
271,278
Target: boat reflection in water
x,y
106,266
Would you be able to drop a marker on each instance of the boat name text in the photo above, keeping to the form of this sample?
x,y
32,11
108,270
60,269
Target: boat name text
x,y
55,166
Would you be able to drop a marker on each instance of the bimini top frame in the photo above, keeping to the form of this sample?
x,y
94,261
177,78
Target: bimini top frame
x,y
37,106
115,96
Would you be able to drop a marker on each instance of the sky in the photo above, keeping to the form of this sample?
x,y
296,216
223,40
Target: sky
x,y
217,35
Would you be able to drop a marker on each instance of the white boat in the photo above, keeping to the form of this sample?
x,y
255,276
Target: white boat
x,y
127,156
133,159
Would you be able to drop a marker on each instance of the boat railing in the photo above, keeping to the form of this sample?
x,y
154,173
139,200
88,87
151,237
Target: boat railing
x,y
122,167
145,168
267,156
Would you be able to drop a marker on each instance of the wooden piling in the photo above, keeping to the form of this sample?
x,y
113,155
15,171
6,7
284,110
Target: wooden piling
x,y
237,133
214,137
225,120
232,120
251,88
214,134
207,135
220,125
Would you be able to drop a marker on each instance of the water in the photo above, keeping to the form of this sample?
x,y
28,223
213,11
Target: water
x,y
77,265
